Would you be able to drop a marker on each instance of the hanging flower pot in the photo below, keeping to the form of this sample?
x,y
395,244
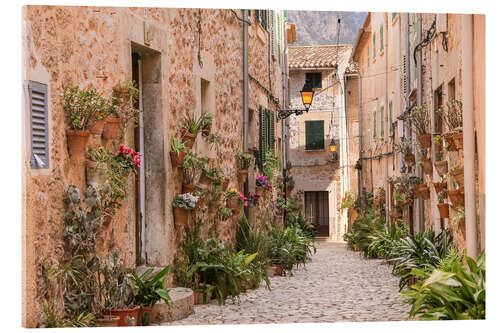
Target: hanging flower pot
x,y
259,190
458,175
214,205
188,139
188,188
233,202
111,129
449,140
107,321
181,216
441,167
200,202
456,197
77,142
425,140
97,127
242,175
421,190
427,166
204,180
376,202
128,317
94,175
409,159
439,186
176,159
444,211
458,139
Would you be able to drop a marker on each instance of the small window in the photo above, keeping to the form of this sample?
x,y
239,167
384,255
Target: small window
x,y
315,135
382,122
391,125
381,38
314,79
39,129
374,45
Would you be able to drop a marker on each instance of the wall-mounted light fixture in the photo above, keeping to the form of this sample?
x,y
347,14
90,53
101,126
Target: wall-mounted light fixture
x,y
307,94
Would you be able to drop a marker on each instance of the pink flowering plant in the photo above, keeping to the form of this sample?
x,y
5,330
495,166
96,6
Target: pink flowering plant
x,y
263,181
128,158
252,199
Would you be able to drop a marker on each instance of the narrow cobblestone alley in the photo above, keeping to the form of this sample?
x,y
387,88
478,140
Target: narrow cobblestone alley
x,y
337,285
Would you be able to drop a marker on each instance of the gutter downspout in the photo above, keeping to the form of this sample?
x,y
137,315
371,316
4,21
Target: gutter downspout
x,y
421,222
245,91
284,105
360,132
407,95
468,137
400,105
386,109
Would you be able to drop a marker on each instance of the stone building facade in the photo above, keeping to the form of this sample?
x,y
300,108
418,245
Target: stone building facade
x,y
411,59
191,60
320,180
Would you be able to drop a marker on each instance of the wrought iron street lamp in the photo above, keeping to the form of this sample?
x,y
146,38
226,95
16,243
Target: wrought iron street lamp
x,y
333,149
307,94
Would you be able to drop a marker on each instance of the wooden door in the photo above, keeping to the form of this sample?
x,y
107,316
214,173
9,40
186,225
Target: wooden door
x,y
316,211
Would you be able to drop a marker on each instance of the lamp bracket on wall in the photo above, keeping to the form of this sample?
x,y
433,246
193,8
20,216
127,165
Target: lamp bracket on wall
x,y
282,114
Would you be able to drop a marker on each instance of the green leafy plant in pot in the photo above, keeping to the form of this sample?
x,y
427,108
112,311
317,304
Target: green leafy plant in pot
x,y
190,127
150,290
177,151
206,120
244,161
123,110
419,116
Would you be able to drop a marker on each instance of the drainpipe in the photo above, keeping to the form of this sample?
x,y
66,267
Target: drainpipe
x,y
400,101
468,137
407,95
386,109
421,222
245,91
360,131
284,105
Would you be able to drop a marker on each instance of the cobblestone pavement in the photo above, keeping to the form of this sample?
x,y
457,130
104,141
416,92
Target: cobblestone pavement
x,y
337,285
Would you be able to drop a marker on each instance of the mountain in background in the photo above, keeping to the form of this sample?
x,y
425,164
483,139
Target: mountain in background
x,y
320,27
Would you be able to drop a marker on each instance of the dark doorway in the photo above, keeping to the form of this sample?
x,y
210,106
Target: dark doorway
x,y
316,211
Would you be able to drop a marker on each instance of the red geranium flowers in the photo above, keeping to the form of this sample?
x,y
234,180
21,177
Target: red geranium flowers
x,y
128,158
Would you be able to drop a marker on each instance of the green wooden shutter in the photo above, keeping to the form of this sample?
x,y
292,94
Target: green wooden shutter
x,y
271,130
262,135
381,38
391,128
374,45
382,122
315,135
375,124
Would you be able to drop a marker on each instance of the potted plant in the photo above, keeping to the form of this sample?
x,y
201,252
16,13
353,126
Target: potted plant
x,y
420,121
177,151
191,127
224,213
262,184
95,170
452,116
456,197
290,185
244,161
209,176
191,166
426,165
123,109
442,206
458,174
422,190
234,198
440,186
182,204
201,198
206,120
405,147
150,290
214,196
80,107
396,212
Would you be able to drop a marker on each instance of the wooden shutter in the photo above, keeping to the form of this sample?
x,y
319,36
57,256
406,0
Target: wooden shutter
x,y
381,38
404,87
391,128
315,135
262,135
273,33
271,130
382,123
374,124
374,44
39,129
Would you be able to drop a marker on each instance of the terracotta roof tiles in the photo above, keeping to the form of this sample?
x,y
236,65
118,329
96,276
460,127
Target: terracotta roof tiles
x,y
317,56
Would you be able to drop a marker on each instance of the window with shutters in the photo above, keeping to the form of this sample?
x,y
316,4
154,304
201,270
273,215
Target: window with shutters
x,y
381,38
382,122
394,16
279,39
314,79
39,125
273,33
374,37
374,124
404,87
391,125
266,133
315,135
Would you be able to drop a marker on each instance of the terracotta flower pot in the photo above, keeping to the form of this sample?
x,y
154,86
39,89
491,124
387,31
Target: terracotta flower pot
x,y
188,139
107,321
441,167
145,315
225,184
242,175
288,192
206,130
97,127
427,166
425,140
94,175
181,216
395,214
204,180
456,197
77,142
278,270
176,159
422,191
200,202
111,129
409,159
259,190
444,211
458,139
439,186
188,188
458,175
233,202
200,298
128,317
449,140
214,205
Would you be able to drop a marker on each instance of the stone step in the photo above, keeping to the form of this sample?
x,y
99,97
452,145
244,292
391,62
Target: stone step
x,y
181,305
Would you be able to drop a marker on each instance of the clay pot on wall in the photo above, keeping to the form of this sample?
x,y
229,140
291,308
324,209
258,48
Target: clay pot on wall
x,y
111,129
409,159
427,166
242,175
181,216
456,197
458,175
94,175
259,190
77,142
97,127
128,317
425,140
233,202
395,214
449,140
188,139
458,140
422,191
204,180
107,321
176,159
188,188
444,211
439,186
214,205
225,184
441,167
200,202
206,130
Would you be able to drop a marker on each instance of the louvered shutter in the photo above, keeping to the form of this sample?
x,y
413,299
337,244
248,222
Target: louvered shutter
x,y
391,128
39,129
273,33
315,135
271,130
404,87
279,38
262,135
382,122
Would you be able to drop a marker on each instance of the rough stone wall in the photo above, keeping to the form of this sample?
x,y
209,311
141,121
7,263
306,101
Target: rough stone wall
x,y
91,46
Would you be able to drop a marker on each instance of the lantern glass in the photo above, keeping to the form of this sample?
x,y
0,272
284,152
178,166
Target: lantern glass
x,y
307,97
333,146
